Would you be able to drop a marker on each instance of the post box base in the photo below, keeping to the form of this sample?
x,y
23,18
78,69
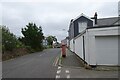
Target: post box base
x,y
64,56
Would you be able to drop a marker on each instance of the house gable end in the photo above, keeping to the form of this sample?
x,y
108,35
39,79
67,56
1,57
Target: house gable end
x,y
79,20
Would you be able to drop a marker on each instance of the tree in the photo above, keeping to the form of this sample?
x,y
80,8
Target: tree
x,y
33,36
9,40
50,39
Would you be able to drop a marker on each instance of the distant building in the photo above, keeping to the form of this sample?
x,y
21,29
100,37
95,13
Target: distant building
x,y
45,43
56,45
65,41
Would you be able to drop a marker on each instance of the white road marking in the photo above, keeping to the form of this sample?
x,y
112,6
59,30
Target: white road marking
x,y
56,62
67,71
68,76
42,54
57,76
58,71
59,67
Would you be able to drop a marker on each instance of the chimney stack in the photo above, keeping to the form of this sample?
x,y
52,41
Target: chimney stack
x,y
71,20
95,17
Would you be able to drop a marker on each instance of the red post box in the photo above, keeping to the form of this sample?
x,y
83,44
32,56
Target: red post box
x,y
63,50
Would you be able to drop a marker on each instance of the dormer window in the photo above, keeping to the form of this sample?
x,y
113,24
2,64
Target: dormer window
x,y
82,26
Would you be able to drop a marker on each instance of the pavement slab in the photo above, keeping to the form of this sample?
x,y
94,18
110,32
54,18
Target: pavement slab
x,y
73,68
71,60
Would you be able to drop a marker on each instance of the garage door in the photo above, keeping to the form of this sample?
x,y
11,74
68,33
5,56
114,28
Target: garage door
x,y
106,50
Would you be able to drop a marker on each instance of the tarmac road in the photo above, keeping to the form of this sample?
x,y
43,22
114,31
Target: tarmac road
x,y
36,65
44,65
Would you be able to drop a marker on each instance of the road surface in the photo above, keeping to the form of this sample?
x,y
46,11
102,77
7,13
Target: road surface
x,y
36,65
43,65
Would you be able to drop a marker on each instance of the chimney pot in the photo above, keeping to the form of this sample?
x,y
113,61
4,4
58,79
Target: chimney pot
x,y
95,17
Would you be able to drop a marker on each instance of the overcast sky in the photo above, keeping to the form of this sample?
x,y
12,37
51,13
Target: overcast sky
x,y
53,15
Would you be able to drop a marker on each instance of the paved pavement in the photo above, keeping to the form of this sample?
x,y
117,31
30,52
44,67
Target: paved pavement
x,y
71,60
72,67
36,65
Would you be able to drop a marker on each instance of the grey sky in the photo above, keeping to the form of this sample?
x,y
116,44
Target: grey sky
x,y
53,16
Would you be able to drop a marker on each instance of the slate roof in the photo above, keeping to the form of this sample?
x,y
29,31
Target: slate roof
x,y
81,16
108,21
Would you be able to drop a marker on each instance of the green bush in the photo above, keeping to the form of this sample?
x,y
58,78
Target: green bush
x,y
32,36
29,49
9,40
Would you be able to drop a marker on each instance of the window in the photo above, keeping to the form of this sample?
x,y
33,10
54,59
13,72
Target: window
x,y
82,26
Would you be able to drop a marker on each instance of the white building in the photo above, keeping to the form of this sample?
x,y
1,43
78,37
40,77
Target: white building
x,y
96,45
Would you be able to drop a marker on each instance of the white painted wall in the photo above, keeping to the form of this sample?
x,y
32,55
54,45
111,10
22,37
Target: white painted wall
x,y
67,43
90,49
101,46
71,45
79,46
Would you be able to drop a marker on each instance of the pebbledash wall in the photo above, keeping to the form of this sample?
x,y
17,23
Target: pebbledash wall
x,y
97,46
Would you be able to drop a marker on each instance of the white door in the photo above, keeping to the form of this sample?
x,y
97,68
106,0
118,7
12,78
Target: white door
x,y
106,50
